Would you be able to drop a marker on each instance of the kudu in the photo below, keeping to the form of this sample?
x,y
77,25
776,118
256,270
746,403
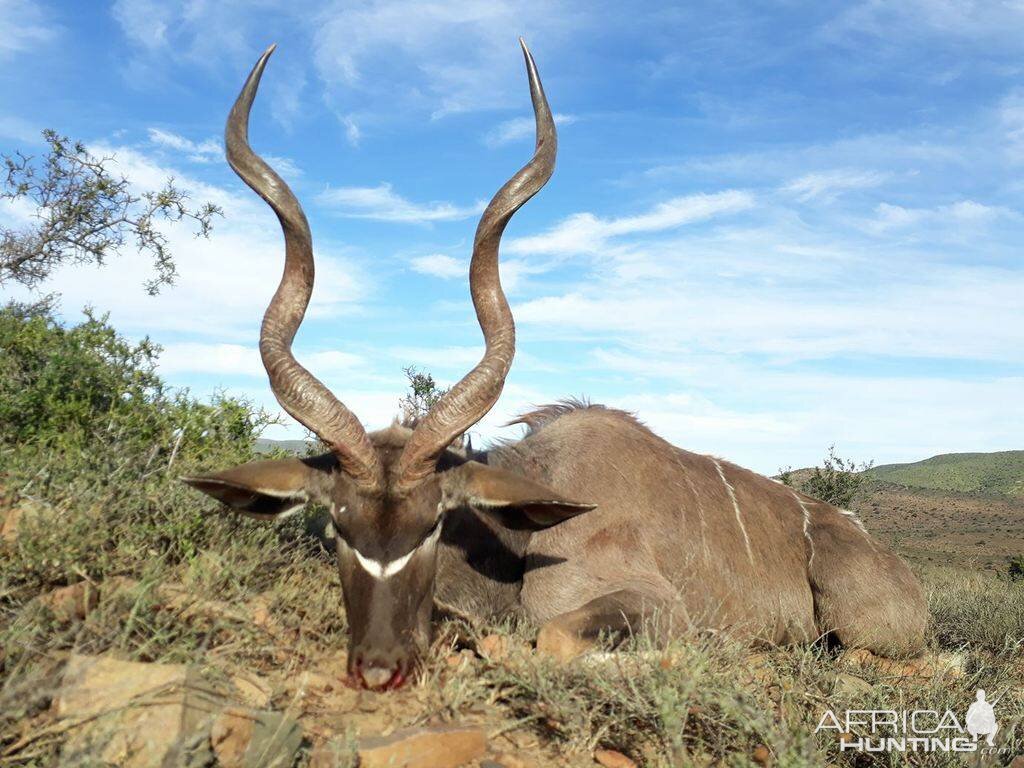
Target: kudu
x,y
590,525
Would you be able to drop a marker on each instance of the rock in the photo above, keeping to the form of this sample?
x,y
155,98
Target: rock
x,y
177,597
609,758
9,530
117,585
927,665
494,647
442,747
17,516
331,754
508,760
260,613
852,686
252,689
460,660
135,715
561,644
249,738
72,602
761,755
758,669
230,738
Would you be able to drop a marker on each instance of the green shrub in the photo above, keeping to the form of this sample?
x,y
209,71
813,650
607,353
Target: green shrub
x,y
95,440
835,482
1015,570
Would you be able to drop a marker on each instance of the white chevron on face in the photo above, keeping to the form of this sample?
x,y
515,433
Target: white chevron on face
x,y
381,570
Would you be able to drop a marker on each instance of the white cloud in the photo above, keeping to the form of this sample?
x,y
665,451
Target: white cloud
x,y
195,357
397,57
212,151
1011,118
828,185
204,32
780,418
961,213
907,311
994,24
587,233
19,129
514,272
206,151
241,360
519,128
25,28
352,132
145,22
382,203
449,58
440,265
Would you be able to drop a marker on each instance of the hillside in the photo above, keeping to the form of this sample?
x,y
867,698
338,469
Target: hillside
x,y
266,445
961,509
987,473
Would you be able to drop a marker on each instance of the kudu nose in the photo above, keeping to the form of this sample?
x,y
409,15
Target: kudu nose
x,y
379,673
377,677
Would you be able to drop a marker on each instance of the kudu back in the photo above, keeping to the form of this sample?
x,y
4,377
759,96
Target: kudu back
x,y
589,525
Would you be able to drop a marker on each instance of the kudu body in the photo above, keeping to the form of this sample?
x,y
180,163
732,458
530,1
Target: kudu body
x,y
590,524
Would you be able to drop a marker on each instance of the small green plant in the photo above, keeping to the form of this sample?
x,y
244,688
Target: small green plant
x,y
835,482
424,392
1015,570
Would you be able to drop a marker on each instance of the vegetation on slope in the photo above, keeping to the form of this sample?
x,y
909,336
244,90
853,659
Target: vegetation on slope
x,y
1001,472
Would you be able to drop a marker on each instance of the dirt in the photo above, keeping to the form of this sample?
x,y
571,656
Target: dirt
x,y
967,530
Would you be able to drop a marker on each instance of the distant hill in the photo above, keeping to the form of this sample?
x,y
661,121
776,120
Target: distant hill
x,y
297,447
987,473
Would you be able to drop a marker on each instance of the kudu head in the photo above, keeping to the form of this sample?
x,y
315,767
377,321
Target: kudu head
x,y
387,492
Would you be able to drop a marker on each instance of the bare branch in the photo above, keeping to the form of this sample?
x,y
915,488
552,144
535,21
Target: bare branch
x,y
84,214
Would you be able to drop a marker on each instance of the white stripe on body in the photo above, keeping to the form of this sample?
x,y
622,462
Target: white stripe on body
x,y
736,508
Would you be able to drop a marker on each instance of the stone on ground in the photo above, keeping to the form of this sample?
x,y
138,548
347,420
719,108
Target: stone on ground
x,y
927,665
561,644
441,747
852,686
135,715
252,689
609,758
249,738
72,602
17,516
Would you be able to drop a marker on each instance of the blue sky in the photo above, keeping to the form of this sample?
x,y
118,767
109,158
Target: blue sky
x,y
773,226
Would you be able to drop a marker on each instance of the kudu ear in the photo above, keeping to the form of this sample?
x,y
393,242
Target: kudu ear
x,y
269,489
513,500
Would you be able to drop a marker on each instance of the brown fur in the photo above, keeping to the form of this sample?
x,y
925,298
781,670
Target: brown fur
x,y
666,529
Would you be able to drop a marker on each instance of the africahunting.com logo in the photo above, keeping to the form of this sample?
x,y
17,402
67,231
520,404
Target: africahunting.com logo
x,y
919,730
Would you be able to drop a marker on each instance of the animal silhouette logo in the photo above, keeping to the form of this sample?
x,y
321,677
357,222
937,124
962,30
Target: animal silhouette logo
x,y
981,719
